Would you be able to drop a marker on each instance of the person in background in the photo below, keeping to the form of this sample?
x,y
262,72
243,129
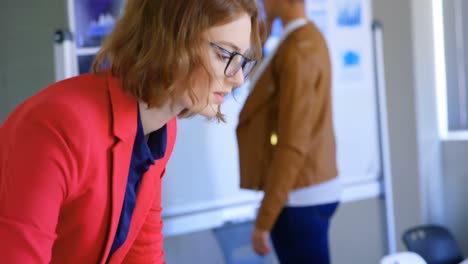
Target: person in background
x,y
81,162
286,141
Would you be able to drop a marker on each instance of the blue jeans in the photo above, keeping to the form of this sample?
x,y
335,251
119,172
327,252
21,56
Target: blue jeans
x,y
300,235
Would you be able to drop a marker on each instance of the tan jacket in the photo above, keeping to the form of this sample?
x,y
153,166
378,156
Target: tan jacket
x,y
292,101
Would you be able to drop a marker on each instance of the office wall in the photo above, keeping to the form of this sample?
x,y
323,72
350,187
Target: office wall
x,y
428,137
454,152
26,46
3,94
455,171
444,170
442,163
396,18
361,221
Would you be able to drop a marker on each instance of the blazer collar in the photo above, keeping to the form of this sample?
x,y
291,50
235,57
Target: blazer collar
x,y
262,86
258,98
124,110
124,125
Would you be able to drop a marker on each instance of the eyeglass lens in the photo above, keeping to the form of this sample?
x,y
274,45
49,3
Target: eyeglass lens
x,y
236,63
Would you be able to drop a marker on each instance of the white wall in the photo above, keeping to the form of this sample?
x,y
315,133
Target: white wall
x,y
396,17
443,166
427,121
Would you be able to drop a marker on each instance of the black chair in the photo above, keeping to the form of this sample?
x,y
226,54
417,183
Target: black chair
x,y
434,243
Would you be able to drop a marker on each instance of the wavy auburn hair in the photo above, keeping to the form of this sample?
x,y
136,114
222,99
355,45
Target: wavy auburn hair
x,y
158,43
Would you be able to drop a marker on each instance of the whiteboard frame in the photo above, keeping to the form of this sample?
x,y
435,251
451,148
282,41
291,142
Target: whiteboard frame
x,y
206,216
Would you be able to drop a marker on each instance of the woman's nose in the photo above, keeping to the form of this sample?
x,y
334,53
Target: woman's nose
x,y
238,78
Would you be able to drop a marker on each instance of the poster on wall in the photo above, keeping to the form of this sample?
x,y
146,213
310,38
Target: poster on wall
x,y
93,20
90,21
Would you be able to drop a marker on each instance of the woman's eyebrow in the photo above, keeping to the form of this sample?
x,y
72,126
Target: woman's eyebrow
x,y
229,44
232,46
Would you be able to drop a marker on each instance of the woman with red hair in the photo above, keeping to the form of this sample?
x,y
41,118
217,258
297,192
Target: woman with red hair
x,y
81,162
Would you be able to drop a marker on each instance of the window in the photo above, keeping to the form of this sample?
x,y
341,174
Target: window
x,y
451,55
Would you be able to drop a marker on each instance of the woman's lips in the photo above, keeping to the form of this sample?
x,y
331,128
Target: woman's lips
x,y
219,97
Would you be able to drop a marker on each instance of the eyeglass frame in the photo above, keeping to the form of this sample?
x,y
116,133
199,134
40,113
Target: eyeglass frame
x,y
231,56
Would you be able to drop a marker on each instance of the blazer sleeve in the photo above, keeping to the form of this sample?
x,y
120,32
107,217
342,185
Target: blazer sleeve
x,y
36,165
297,74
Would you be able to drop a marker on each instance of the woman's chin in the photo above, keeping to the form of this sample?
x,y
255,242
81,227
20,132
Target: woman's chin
x,y
210,111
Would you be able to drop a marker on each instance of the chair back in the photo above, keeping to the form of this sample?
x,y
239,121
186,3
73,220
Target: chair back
x,y
434,243
403,258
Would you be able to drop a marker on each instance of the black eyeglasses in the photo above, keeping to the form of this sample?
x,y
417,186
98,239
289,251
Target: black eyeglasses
x,y
236,61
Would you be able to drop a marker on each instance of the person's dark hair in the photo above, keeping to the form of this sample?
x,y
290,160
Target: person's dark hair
x,y
158,43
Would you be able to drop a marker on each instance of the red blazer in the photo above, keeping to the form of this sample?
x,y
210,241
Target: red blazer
x,y
64,161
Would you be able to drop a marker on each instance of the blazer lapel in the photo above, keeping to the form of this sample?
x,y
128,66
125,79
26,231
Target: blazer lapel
x,y
151,183
124,117
149,194
261,94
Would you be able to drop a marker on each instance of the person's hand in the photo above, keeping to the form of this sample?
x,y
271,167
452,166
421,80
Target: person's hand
x,y
261,241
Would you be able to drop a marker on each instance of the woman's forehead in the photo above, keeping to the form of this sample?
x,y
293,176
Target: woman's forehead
x,y
233,35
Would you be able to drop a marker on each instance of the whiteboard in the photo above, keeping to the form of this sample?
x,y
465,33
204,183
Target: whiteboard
x,y
201,185
203,172
354,93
